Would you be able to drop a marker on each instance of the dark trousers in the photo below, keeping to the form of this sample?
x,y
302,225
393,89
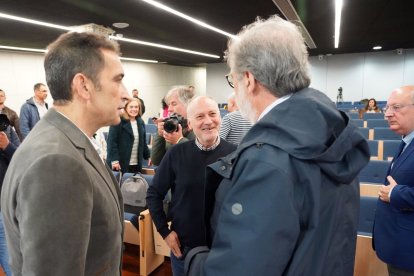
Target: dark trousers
x,y
395,271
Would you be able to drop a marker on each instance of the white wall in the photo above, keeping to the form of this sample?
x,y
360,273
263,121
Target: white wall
x,y
362,75
154,80
20,71
217,86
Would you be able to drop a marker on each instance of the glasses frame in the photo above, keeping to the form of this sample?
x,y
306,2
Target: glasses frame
x,y
395,108
229,79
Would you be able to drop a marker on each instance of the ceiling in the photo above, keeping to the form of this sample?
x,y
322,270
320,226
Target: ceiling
x,y
366,23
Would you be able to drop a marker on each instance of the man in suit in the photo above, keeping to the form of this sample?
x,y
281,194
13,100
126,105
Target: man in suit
x,y
394,218
62,206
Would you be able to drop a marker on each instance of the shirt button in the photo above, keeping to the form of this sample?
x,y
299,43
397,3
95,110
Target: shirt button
x,y
222,168
237,209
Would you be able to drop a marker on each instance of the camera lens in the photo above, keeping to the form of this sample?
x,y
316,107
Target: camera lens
x,y
4,122
171,124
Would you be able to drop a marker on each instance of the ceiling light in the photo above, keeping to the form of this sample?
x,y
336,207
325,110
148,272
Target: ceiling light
x,y
44,51
377,47
338,12
36,22
189,18
22,49
120,25
139,60
163,46
289,12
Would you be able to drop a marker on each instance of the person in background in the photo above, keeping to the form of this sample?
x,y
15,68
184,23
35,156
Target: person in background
x,y
192,88
11,114
126,145
62,206
9,142
370,107
135,94
33,109
287,201
393,237
183,171
99,142
177,99
164,109
233,125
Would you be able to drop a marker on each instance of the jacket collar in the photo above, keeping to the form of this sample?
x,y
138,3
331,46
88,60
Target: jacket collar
x,y
84,145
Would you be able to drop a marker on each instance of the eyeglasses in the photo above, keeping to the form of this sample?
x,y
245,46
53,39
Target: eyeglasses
x,y
395,108
229,79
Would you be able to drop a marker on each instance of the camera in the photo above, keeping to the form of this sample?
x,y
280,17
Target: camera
x,y
4,122
171,123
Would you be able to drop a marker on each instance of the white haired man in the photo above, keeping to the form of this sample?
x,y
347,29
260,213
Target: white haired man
x,y
288,198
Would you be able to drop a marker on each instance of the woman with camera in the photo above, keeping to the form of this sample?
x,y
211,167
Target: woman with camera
x,y
126,145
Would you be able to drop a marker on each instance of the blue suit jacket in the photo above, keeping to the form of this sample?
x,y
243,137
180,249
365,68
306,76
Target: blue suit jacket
x,y
394,222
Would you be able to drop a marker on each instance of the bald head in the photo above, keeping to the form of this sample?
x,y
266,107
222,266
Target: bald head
x,y
204,119
408,89
400,110
199,101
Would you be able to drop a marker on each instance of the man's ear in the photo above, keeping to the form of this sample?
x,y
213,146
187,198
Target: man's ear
x,y
81,86
250,82
189,124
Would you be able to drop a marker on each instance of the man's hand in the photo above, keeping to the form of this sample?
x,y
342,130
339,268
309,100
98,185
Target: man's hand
x,y
160,126
174,244
4,141
116,166
174,137
385,190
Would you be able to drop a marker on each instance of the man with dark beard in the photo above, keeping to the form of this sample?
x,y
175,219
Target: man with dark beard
x,y
288,198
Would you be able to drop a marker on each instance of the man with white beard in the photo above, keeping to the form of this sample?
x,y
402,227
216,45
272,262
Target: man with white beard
x,y
288,198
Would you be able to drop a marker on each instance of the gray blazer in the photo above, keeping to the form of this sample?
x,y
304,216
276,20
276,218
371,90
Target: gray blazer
x,y
62,207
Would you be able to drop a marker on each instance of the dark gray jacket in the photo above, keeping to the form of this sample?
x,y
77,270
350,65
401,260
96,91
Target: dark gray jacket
x,y
288,199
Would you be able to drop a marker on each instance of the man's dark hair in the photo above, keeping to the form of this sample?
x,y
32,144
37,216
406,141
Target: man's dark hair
x,y
74,53
37,86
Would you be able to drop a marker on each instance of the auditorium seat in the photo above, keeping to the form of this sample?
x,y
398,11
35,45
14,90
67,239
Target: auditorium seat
x,y
366,261
384,133
151,128
223,112
367,116
358,122
148,259
364,132
374,172
390,147
131,234
353,115
367,189
148,138
374,149
373,123
366,215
